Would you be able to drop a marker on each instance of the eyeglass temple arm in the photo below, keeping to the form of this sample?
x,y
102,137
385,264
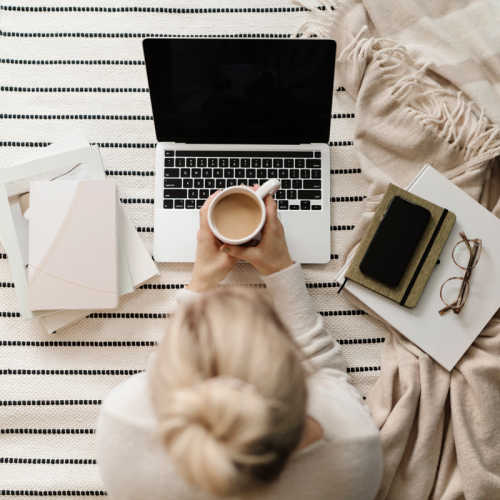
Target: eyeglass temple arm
x,y
447,308
462,234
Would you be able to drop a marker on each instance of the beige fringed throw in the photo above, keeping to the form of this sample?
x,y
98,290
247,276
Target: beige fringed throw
x,y
426,79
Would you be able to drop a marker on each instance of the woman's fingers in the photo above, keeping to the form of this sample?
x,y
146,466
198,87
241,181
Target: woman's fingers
x,y
272,221
239,252
204,211
271,207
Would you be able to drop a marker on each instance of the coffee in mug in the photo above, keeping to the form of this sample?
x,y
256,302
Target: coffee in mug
x,y
237,214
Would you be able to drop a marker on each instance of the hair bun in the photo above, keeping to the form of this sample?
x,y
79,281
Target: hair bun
x,y
211,430
224,435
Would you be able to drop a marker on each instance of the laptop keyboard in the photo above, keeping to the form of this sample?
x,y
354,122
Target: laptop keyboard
x,y
190,177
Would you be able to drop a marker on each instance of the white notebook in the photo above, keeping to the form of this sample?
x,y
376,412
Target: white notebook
x,y
446,338
73,245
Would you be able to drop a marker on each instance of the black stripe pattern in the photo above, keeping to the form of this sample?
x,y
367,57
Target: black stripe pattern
x,y
5,314
143,145
341,199
144,201
358,369
71,89
333,284
47,431
42,62
361,341
352,312
44,493
8,371
179,286
341,228
265,10
57,402
117,372
152,286
17,34
346,171
163,286
149,145
48,461
129,315
6,116
143,173
74,343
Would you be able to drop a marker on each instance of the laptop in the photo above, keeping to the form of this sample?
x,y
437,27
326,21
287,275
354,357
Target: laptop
x,y
233,111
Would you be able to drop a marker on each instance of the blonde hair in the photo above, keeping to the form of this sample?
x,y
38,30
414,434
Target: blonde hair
x,y
229,390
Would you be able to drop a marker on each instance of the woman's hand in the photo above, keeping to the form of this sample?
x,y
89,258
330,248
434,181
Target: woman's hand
x,y
211,266
271,254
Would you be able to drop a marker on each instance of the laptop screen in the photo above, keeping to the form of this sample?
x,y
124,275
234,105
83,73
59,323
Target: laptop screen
x,y
241,91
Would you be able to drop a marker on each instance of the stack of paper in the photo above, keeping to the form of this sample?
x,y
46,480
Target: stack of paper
x,y
71,158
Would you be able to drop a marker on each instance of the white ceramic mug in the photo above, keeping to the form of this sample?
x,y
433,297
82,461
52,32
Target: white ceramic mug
x,y
269,187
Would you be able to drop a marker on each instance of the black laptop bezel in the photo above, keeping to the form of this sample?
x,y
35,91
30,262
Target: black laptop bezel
x,y
322,138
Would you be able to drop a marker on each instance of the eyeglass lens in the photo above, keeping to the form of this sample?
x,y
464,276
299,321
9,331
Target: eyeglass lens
x,y
455,292
462,255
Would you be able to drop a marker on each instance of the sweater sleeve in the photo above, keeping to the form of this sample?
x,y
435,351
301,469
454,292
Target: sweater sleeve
x,y
185,295
293,304
296,309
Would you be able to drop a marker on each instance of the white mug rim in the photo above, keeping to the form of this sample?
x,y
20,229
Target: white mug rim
x,y
222,194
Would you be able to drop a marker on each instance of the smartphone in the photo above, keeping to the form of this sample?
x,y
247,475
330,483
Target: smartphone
x,y
395,240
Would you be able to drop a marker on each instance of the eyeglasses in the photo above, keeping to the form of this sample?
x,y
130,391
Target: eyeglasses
x,y
465,255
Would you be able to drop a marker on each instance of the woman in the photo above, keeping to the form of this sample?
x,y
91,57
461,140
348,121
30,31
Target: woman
x,y
241,400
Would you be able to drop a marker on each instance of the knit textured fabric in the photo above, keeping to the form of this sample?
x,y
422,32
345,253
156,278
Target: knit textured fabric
x,y
425,77
68,65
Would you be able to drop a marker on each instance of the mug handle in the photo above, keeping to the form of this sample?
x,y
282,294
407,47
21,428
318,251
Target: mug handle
x,y
269,187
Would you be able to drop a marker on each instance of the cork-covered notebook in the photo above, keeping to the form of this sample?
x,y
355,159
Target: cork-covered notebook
x,y
407,293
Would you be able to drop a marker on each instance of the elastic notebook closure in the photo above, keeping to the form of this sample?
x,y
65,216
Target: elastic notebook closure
x,y
411,286
424,257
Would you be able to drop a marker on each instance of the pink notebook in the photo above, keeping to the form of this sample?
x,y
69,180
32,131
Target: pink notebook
x,y
73,245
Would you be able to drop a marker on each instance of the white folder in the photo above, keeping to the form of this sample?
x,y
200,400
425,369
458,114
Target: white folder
x,y
446,338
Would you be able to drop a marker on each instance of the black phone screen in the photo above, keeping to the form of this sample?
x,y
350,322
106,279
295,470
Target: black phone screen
x,y
395,241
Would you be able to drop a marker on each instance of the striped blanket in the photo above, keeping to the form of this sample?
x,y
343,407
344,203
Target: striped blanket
x,y
68,65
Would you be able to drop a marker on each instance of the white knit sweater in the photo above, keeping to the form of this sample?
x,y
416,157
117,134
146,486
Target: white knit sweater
x,y
345,464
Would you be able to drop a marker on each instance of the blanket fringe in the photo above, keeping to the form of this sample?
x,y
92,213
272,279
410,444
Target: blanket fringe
x,y
460,127
321,25
381,48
